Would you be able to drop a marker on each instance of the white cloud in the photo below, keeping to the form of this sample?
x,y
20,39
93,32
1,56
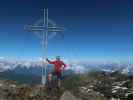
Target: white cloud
x,y
1,57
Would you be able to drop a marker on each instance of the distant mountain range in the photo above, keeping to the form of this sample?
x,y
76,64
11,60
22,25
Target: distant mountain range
x,y
34,67
31,70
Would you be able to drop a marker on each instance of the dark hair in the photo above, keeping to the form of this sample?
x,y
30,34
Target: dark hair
x,y
58,57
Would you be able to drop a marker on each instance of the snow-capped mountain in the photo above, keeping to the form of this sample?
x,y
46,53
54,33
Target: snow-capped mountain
x,y
35,66
124,68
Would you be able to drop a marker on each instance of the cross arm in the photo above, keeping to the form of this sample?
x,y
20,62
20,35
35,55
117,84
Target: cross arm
x,y
55,29
34,28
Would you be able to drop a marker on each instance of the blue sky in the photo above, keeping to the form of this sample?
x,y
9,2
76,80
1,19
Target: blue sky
x,y
95,29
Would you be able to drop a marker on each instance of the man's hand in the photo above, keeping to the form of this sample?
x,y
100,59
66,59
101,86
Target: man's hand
x,y
47,59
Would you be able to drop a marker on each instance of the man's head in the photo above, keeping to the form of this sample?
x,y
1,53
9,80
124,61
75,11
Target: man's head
x,y
58,58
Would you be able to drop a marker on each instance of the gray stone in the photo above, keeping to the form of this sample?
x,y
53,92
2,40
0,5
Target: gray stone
x,y
68,96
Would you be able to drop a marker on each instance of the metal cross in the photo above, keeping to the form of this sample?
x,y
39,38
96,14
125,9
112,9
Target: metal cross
x,y
44,29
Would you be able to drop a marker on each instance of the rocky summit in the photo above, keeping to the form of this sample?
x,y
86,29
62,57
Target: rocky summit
x,y
92,86
68,96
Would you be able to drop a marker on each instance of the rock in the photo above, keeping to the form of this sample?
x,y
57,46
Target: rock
x,y
68,96
86,95
130,96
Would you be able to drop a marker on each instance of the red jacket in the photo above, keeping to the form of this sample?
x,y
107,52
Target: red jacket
x,y
57,65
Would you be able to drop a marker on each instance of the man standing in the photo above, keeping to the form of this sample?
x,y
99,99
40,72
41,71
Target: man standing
x,y
58,68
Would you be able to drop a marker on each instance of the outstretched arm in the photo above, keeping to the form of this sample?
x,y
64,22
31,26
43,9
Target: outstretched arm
x,y
50,62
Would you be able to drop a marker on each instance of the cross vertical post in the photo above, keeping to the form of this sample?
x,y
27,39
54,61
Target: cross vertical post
x,y
44,30
45,47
